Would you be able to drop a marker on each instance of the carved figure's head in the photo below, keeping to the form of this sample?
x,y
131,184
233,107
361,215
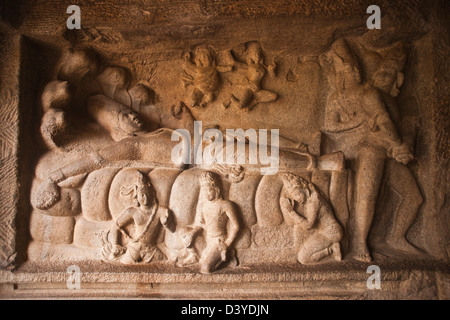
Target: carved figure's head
x,y
129,121
203,57
298,188
345,64
209,185
120,121
386,69
142,191
388,79
253,52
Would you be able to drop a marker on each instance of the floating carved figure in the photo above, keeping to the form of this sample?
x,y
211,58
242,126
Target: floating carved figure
x,y
316,215
201,78
218,218
250,92
358,124
147,216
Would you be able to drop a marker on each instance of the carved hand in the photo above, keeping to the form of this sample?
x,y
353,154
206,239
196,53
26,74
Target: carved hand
x,y
223,248
187,239
47,195
164,218
304,223
402,154
117,250
271,68
286,204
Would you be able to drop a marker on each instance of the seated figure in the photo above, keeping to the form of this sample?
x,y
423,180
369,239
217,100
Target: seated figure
x,y
147,216
213,216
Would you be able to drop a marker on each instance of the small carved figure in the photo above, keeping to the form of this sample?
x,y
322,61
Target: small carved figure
x,y
148,217
218,218
316,215
250,92
202,77
357,121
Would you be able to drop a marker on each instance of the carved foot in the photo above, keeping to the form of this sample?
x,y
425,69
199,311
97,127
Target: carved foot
x,y
363,257
360,253
335,250
190,259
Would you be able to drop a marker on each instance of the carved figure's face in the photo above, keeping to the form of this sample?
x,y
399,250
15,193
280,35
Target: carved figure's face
x,y
298,195
130,121
388,79
211,193
203,58
254,55
350,75
144,196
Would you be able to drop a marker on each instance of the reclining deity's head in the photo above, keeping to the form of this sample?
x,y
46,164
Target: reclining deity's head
x,y
120,121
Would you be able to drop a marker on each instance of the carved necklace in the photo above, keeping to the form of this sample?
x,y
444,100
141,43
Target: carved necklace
x,y
150,219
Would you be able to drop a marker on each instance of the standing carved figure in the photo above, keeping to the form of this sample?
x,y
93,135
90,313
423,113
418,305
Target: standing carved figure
x,y
147,216
250,93
317,215
388,78
201,77
218,218
357,122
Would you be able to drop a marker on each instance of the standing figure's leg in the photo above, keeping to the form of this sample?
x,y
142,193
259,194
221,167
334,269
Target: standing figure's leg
x,y
404,183
369,172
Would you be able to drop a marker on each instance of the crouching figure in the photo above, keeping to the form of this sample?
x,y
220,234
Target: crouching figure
x,y
305,205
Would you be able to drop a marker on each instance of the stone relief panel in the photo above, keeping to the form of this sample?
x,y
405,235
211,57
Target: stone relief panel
x,y
109,189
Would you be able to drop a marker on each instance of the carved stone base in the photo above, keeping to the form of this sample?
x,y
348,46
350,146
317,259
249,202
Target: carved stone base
x,y
344,281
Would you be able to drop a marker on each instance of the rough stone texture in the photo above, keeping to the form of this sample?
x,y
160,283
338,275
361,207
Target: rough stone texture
x,y
140,64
